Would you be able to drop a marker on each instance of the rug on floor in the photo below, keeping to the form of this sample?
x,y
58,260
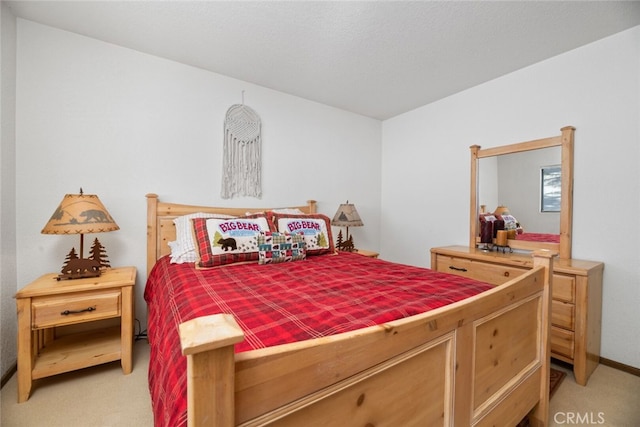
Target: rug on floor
x,y
555,379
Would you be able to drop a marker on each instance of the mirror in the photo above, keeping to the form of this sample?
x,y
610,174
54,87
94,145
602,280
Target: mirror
x,y
517,181
526,177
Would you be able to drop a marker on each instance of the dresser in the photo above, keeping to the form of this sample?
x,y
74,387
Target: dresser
x,y
576,297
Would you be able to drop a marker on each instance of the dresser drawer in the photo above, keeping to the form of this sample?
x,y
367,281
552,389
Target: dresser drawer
x,y
495,274
563,315
564,288
66,310
562,342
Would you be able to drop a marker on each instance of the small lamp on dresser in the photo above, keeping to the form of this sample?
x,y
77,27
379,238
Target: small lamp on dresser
x,y
81,214
346,216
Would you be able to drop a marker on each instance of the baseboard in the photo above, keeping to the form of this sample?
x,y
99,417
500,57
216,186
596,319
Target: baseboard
x,y
7,375
620,366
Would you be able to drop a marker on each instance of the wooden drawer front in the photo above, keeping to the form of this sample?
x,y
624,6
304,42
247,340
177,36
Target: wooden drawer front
x,y
66,310
563,315
564,288
491,273
562,342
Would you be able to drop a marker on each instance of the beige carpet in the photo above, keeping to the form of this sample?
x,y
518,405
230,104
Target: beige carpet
x,y
100,396
610,399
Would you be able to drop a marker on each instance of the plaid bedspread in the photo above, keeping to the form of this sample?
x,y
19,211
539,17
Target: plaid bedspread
x,y
281,303
539,237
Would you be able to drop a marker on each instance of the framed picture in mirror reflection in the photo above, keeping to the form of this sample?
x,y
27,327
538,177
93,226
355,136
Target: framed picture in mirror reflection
x,y
550,188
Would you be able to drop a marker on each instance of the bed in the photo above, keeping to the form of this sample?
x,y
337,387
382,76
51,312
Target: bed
x,y
467,360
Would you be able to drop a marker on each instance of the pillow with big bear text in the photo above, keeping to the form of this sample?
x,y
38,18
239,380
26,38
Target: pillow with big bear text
x,y
226,241
315,227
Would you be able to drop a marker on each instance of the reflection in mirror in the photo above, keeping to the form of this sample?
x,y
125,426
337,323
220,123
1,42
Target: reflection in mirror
x,y
512,176
515,181
551,188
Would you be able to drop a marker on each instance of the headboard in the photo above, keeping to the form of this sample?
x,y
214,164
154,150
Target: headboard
x,y
161,229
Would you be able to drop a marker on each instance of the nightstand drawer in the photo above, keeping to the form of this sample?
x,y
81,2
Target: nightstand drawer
x,y
66,310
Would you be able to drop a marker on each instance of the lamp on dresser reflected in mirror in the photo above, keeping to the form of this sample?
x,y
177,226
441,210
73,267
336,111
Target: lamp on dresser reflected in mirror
x,y
346,216
82,214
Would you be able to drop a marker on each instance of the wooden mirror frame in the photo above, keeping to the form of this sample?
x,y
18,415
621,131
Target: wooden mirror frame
x,y
565,141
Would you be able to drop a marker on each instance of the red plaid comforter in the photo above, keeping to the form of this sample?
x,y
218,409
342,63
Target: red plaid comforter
x,y
539,237
281,303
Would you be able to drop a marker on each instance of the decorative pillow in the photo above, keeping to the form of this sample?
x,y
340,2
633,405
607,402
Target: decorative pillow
x,y
274,247
487,217
315,227
510,222
227,241
183,249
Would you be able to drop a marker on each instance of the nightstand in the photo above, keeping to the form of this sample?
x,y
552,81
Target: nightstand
x,y
366,253
46,305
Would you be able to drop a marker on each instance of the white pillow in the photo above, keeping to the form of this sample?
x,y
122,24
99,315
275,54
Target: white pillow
x,y
288,211
183,249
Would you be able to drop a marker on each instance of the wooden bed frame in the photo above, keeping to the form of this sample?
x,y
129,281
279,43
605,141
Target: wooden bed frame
x,y
481,361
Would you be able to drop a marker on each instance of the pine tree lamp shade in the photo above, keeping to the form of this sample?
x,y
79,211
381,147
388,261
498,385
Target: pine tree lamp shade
x,y
82,214
346,216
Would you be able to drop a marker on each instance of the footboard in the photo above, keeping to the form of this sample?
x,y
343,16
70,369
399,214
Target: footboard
x,y
481,361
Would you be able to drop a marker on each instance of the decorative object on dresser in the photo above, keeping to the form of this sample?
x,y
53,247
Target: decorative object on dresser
x,y
346,216
81,214
50,312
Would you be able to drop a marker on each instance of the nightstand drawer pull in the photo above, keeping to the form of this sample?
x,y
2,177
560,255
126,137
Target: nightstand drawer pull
x,y
451,267
68,312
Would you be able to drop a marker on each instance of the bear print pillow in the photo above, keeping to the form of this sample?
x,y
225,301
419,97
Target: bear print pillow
x,y
315,227
226,241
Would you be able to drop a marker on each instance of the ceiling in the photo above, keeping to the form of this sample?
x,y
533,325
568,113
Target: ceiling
x,y
374,58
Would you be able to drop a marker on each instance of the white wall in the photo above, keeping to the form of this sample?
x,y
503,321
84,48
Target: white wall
x,y
7,189
595,88
120,124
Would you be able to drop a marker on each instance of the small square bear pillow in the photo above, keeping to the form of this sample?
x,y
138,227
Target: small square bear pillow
x,y
227,241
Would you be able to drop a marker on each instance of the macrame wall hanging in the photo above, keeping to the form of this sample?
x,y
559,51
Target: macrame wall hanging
x,y
241,164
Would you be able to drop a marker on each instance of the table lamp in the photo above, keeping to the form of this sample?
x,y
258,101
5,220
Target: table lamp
x,y
82,214
346,216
